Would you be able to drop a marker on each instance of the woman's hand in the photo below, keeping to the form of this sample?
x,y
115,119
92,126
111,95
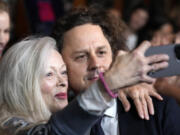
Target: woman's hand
x,y
140,94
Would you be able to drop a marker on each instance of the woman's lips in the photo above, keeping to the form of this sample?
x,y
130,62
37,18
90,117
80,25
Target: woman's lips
x,y
61,95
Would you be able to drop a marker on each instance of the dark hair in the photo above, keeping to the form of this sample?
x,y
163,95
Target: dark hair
x,y
79,16
159,21
141,6
4,6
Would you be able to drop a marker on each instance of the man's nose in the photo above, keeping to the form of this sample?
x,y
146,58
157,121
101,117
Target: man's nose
x,y
94,63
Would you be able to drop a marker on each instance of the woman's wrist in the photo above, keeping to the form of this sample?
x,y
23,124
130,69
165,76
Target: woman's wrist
x,y
106,86
103,92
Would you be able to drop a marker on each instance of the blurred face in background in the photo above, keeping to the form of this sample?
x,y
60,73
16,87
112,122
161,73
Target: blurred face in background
x,y
86,52
138,19
163,36
4,30
167,28
54,83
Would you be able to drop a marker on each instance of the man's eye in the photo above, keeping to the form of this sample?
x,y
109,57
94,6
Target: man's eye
x,y
81,57
102,53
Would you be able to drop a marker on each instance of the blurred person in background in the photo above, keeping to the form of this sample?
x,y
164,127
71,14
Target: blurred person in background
x,y
5,25
136,20
43,13
163,32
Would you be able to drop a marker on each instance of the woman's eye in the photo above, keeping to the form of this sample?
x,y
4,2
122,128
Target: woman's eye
x,y
49,74
64,72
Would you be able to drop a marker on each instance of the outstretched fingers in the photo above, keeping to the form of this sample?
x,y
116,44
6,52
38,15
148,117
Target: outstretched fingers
x,y
123,98
158,58
143,47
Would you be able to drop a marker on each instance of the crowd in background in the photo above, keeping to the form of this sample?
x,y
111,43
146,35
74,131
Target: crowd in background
x,y
38,16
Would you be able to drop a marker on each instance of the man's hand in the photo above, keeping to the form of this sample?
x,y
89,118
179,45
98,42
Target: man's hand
x,y
140,94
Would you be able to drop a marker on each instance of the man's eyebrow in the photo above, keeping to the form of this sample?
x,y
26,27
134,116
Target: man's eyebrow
x,y
102,47
85,50
80,51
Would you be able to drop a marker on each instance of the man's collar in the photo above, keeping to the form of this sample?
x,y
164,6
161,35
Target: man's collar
x,y
112,111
